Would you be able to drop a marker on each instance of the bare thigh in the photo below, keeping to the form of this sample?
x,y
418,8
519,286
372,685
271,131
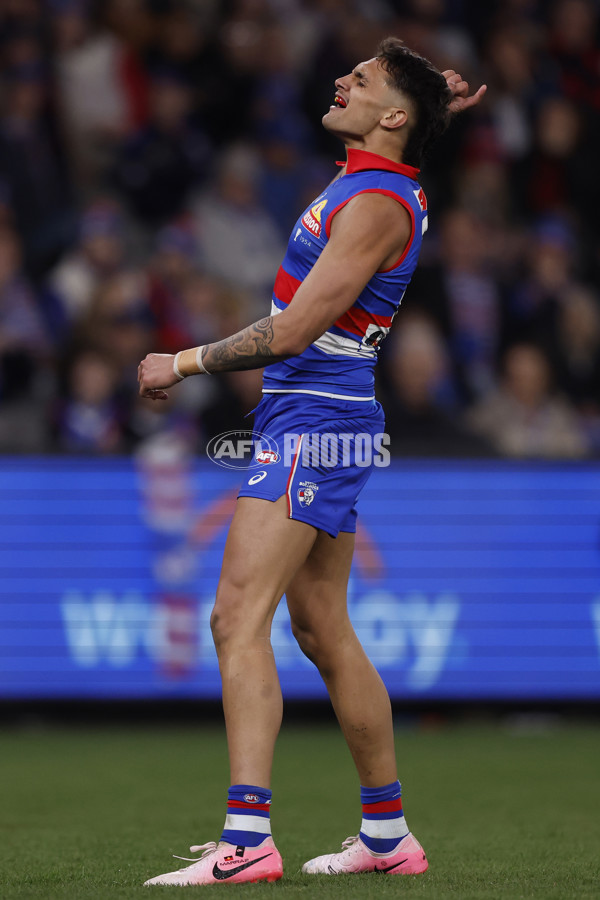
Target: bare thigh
x,y
263,552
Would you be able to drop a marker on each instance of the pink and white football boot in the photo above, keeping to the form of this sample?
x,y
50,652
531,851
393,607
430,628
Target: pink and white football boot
x,y
407,859
222,863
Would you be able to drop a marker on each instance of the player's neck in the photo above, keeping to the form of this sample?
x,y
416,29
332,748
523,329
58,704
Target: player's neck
x,y
380,147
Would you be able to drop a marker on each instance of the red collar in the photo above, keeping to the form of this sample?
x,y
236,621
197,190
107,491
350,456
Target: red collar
x,y
361,160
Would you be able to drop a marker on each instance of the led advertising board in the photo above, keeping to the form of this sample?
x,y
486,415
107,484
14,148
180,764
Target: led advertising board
x,y
471,580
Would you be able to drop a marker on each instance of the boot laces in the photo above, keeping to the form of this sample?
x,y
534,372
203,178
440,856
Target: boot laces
x,y
207,848
349,841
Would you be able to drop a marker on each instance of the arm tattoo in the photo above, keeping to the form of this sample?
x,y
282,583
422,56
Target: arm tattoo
x,y
248,349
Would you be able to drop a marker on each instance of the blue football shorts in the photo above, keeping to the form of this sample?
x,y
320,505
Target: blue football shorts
x,y
319,453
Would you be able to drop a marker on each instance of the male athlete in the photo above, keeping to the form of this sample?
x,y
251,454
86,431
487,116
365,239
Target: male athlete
x,y
349,259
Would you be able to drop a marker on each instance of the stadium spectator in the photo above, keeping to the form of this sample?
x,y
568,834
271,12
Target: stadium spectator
x,y
240,241
524,417
573,46
158,166
425,27
421,402
554,178
231,403
101,88
97,256
286,172
176,261
32,162
88,418
512,89
212,307
576,356
26,356
180,43
119,325
234,62
483,180
6,213
549,269
462,295
22,327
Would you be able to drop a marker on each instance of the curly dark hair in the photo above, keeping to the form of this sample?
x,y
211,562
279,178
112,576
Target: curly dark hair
x,y
416,77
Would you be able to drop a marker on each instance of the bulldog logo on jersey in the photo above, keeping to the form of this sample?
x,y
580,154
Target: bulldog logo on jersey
x,y
312,219
307,492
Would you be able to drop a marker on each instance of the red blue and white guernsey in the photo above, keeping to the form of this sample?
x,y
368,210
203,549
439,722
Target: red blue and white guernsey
x,y
340,364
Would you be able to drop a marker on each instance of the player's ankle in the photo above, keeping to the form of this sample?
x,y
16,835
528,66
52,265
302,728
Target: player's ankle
x,y
247,823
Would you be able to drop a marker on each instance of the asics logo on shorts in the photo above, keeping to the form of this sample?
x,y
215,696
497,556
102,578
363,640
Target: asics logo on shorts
x,y
256,478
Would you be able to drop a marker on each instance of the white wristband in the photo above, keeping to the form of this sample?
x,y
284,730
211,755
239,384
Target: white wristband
x,y
199,360
178,374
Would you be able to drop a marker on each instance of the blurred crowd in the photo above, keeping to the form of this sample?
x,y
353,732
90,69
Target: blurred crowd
x,y
154,155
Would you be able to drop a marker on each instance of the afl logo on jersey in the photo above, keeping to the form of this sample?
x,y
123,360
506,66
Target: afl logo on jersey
x,y
251,798
267,456
312,219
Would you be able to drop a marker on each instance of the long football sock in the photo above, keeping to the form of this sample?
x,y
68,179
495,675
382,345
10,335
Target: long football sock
x,y
247,823
383,825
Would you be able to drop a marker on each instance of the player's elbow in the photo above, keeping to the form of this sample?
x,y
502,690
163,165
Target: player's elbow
x,y
296,345
291,338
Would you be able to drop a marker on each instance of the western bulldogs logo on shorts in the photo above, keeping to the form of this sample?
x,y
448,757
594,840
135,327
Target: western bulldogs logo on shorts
x,y
307,492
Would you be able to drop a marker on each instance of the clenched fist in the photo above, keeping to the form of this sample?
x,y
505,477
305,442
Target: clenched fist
x,y
155,373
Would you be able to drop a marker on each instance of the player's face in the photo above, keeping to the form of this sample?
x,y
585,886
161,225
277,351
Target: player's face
x,y
363,102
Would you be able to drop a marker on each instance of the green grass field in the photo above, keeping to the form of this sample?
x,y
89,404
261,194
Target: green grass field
x,y
92,813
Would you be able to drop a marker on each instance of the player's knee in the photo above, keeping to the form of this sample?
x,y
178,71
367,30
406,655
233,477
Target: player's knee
x,y
225,617
310,643
238,616
303,639
218,627
325,643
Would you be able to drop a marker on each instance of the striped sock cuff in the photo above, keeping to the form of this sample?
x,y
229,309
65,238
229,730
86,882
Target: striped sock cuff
x,y
383,794
247,822
383,825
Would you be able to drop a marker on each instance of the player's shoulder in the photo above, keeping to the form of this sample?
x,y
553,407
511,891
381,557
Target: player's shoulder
x,y
394,185
371,209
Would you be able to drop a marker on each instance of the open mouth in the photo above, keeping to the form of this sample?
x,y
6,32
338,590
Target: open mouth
x,y
339,102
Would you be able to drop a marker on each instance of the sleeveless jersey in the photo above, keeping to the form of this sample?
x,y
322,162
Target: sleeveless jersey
x,y
341,362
